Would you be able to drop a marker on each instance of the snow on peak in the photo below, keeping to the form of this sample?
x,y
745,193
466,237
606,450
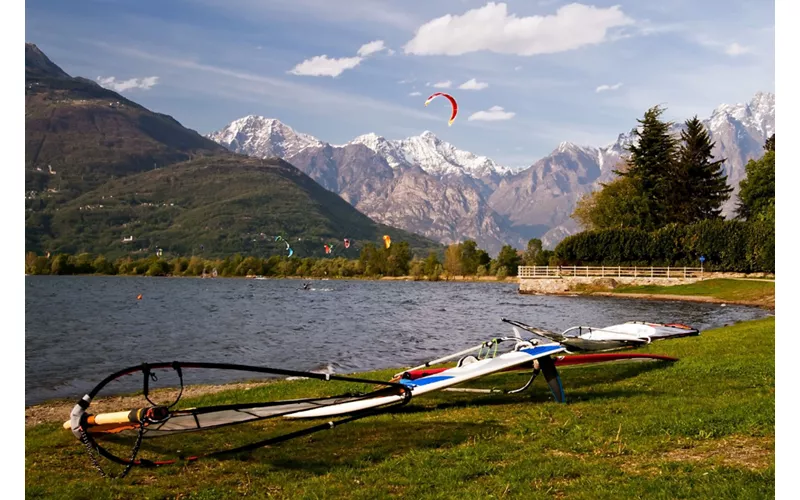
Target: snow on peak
x,y
264,137
757,115
431,154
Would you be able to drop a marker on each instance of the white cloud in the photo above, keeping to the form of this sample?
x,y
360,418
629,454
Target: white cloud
x,y
371,48
324,66
493,114
410,80
491,28
111,82
473,84
735,49
603,88
413,94
443,85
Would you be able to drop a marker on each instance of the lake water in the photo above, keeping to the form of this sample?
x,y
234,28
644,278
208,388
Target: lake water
x,y
80,329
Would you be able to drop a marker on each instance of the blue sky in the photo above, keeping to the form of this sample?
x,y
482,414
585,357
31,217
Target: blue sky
x,y
560,71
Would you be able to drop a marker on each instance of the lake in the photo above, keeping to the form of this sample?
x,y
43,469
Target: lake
x,y
79,329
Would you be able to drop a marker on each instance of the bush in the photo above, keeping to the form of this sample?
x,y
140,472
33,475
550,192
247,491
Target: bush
x,y
502,273
727,245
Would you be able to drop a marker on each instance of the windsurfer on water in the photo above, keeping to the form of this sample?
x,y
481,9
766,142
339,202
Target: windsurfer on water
x,y
306,286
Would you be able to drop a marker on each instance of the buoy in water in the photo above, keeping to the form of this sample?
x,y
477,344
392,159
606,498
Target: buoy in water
x,y
139,297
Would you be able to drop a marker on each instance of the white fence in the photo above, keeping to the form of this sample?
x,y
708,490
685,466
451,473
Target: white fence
x,y
532,272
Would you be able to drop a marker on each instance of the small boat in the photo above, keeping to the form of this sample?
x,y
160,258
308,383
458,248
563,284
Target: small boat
x,y
625,335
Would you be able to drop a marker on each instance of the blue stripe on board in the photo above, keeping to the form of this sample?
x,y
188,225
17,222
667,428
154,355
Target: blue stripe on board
x,y
430,379
542,349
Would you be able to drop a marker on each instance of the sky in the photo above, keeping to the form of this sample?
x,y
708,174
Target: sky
x,y
527,74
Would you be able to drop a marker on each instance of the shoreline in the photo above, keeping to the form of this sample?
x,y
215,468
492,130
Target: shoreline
x,y
766,304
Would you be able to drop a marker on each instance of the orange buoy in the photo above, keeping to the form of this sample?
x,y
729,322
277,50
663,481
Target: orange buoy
x,y
139,297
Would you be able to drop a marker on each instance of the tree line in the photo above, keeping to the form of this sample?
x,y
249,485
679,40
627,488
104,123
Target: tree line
x,y
665,206
459,259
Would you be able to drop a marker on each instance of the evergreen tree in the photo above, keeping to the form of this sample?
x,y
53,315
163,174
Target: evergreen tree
x,y
705,188
652,169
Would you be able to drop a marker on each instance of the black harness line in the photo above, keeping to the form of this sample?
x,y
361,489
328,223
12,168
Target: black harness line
x,y
154,417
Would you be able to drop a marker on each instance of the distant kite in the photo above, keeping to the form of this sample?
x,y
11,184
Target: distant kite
x,y
452,103
387,240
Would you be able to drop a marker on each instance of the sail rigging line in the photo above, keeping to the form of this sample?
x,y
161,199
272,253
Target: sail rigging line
x,y
156,420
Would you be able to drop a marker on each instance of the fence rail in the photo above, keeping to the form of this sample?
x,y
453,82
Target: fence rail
x,y
608,271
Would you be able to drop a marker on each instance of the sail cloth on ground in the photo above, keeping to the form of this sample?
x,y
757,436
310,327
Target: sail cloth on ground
x,y
157,420
611,338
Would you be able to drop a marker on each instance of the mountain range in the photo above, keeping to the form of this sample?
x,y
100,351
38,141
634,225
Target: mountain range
x,y
105,175
430,187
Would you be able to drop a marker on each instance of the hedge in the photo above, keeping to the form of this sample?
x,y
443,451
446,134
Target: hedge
x,y
727,245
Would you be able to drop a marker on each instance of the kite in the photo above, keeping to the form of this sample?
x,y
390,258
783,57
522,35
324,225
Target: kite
x,y
452,102
387,240
288,248
327,249
346,243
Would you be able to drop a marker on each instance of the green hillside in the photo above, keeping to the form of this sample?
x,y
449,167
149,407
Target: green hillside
x,y
87,135
214,206
100,168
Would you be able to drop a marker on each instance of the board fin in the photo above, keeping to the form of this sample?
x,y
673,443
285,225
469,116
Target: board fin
x,y
548,368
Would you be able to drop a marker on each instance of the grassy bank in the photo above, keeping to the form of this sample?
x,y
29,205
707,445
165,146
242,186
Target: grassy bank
x,y
734,291
703,427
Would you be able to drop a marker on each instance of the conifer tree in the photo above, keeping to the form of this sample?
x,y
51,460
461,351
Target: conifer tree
x,y
705,186
652,169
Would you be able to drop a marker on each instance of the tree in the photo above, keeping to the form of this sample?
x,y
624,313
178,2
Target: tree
x,y
757,189
706,187
452,260
469,257
615,205
652,169
398,257
532,252
509,259
432,265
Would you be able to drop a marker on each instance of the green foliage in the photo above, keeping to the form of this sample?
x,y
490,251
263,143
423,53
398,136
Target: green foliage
x,y
705,187
652,169
617,204
532,253
757,190
509,259
502,273
735,246
433,268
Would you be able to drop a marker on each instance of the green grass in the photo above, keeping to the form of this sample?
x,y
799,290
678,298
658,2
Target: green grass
x,y
725,289
703,427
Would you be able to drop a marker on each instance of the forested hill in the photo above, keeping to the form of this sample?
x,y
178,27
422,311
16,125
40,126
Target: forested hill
x,y
101,169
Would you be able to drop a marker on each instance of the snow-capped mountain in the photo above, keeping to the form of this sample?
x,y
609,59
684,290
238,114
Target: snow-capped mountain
x,y
262,137
428,186
432,155
548,190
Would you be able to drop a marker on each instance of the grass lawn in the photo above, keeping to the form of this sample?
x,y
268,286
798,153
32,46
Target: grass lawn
x,y
703,427
725,289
